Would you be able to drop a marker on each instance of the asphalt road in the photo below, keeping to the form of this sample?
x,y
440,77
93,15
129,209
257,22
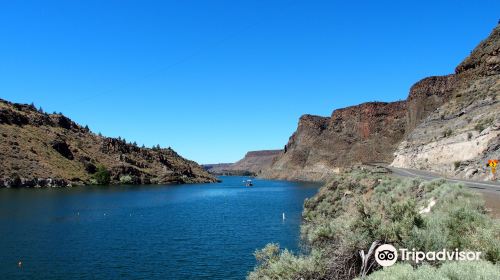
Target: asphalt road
x,y
489,190
484,186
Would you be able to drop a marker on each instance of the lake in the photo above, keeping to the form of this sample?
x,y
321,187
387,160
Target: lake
x,y
202,231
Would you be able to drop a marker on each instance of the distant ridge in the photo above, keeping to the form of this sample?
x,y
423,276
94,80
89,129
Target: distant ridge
x,y
252,164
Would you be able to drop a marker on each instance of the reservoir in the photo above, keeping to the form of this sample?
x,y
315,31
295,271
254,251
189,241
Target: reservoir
x,y
203,231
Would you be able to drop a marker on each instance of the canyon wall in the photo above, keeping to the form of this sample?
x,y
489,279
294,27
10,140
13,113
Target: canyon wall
x,y
459,137
323,145
448,124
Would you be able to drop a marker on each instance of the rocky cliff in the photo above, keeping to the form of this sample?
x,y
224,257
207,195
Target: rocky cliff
x,y
252,164
460,136
40,149
448,124
322,146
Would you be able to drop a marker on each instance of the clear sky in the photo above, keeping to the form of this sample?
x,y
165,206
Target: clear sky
x,y
214,79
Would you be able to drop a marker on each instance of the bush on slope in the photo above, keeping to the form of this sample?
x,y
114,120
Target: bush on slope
x,y
355,209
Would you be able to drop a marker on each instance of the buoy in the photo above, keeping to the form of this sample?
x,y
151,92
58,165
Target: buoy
x,y
20,264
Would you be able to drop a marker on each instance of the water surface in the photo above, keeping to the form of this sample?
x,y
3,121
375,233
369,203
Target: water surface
x,y
204,231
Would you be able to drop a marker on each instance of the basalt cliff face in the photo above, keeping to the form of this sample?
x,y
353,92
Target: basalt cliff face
x,y
39,149
460,136
252,164
322,146
449,124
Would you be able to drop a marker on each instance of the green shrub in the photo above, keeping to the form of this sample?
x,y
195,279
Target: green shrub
x,y
448,271
126,179
102,176
352,210
277,264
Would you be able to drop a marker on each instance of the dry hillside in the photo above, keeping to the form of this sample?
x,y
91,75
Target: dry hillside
x,y
40,149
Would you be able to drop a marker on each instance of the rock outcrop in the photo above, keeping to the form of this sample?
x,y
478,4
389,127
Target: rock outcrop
x,y
460,136
321,146
427,95
50,150
449,124
252,164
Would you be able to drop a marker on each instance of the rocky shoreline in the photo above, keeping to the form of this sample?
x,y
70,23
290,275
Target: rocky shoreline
x,y
35,183
18,182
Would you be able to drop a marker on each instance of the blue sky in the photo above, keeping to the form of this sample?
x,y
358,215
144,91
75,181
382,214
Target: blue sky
x,y
214,79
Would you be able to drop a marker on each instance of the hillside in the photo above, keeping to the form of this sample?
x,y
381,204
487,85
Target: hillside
x,y
447,124
252,164
459,137
40,149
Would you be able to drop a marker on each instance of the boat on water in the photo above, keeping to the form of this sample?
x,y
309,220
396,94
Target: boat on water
x,y
248,183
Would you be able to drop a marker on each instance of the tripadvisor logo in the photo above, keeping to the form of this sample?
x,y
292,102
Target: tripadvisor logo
x,y
387,255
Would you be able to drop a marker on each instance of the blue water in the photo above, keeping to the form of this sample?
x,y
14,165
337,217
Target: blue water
x,y
205,231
